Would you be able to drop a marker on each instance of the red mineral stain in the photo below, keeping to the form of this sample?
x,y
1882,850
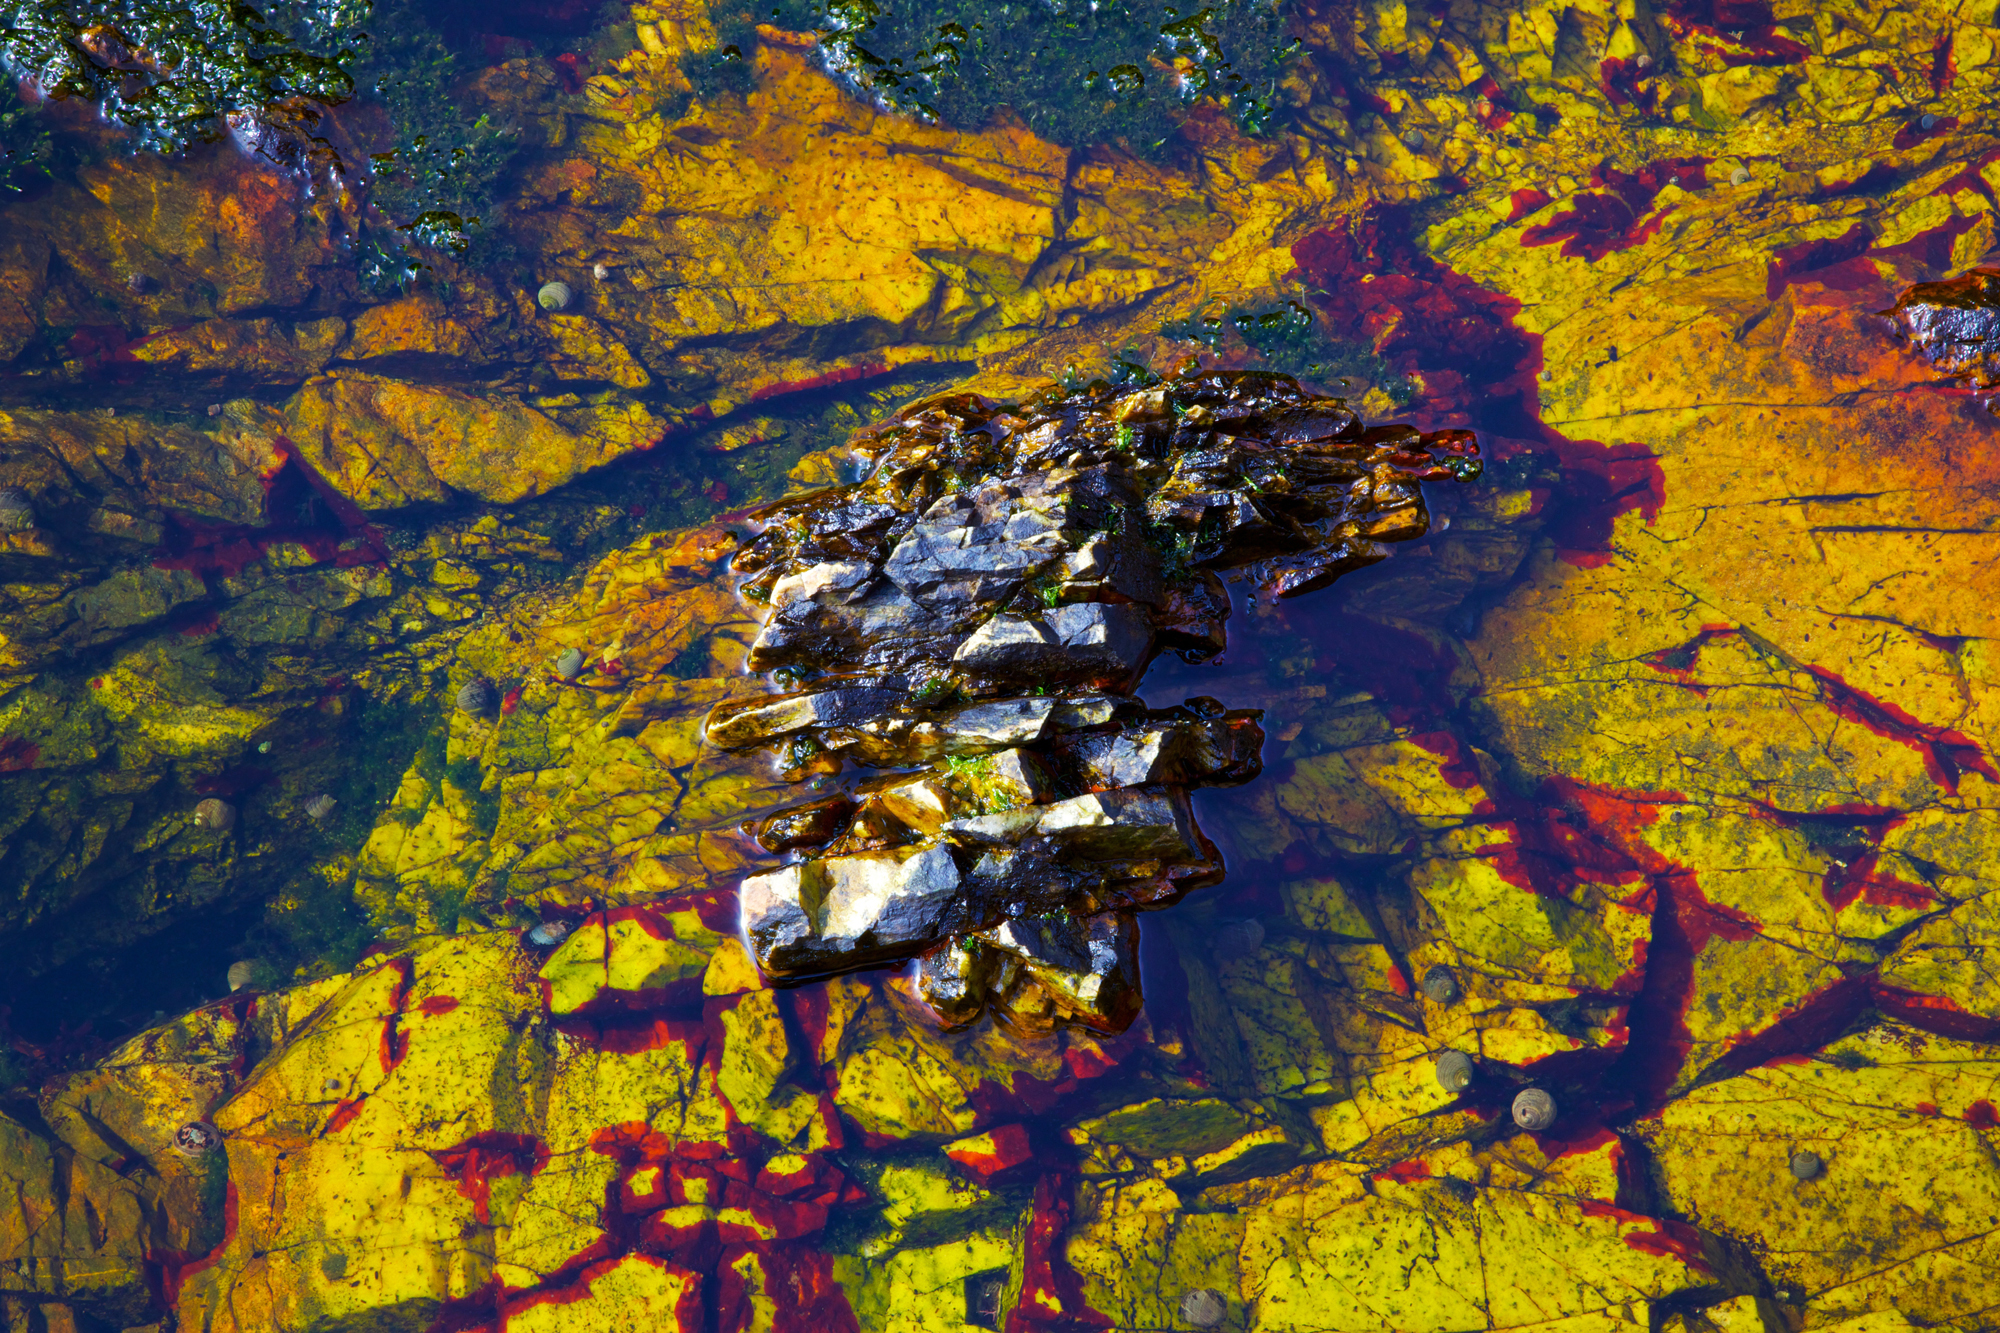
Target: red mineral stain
x,y
1478,368
18,756
437,1004
1832,262
1679,662
1403,1171
1981,1115
1935,1014
1526,202
344,1112
1946,754
476,1162
1944,65
1604,223
1005,1148
510,701
1051,1292
1738,32
832,378
1668,1237
1806,1026
1926,1108
167,1271
301,509
395,1042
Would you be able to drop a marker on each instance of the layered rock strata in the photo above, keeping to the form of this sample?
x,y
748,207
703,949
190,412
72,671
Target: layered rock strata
x,y
974,618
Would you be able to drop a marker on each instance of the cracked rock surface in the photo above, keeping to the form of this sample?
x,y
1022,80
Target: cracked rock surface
x,y
1671,738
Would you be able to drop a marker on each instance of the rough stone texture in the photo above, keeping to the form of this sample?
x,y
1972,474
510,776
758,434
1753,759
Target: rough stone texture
x,y
1674,745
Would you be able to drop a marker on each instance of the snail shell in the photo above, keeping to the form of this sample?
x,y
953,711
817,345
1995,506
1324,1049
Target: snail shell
x,y
1414,138
1239,939
600,271
549,934
477,696
1534,1110
319,807
1740,176
197,1138
16,512
1440,985
569,663
553,296
1204,1307
214,814
243,973
1926,121
1454,1071
1807,1165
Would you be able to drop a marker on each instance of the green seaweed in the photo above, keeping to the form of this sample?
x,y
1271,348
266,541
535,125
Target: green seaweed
x,y
1289,339
1075,71
27,151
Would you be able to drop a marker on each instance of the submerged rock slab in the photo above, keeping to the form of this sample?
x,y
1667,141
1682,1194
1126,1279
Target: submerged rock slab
x,y
985,603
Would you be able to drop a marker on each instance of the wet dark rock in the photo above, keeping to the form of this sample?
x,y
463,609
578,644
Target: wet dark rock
x,y
1239,939
1534,1110
1955,324
984,604
1441,985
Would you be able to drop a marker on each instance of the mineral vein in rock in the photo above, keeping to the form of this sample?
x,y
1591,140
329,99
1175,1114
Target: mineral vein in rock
x,y
971,623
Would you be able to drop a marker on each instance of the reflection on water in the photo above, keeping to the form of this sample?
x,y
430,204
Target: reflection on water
x,y
1605,940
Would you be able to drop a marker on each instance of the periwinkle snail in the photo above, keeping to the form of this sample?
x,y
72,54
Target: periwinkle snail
x,y
16,510
477,696
554,296
214,814
197,1138
569,663
1534,1110
1441,985
1454,1071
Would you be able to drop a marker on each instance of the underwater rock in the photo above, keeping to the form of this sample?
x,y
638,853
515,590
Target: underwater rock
x,y
214,814
984,604
1955,324
16,510
1239,939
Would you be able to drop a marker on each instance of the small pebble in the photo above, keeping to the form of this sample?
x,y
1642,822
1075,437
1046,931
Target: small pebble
x,y
214,814
264,747
1534,1110
1926,121
1807,1165
1440,986
1454,1071
1239,939
553,296
1204,1307
197,1138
